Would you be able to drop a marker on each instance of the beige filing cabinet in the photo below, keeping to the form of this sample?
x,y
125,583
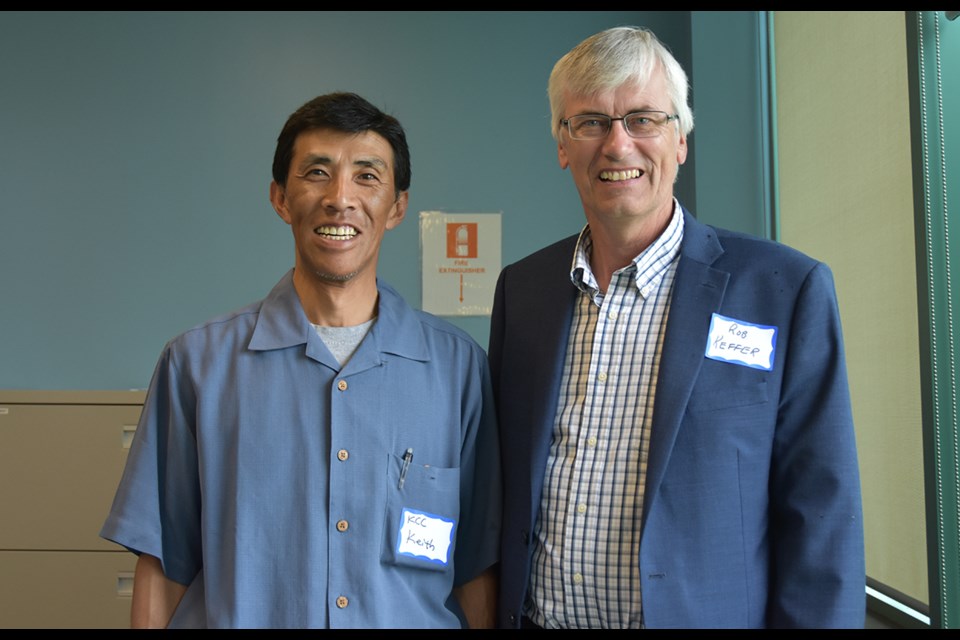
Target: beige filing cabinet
x,y
61,457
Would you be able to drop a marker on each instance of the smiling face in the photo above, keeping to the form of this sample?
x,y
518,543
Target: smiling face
x,y
339,199
624,180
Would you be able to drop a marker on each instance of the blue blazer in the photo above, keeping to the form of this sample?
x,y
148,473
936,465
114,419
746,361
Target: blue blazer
x,y
752,508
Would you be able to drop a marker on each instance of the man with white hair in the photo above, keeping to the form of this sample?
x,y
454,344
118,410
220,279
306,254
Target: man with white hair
x,y
676,433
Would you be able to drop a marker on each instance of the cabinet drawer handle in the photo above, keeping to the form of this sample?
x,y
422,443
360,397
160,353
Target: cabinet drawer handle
x,y
126,437
125,584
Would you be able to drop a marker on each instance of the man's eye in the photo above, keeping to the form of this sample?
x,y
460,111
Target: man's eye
x,y
369,177
314,174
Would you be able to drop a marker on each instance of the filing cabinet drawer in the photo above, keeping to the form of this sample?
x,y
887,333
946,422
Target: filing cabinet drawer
x,y
59,469
66,590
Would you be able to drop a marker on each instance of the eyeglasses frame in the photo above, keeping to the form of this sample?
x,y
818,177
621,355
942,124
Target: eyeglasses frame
x,y
566,122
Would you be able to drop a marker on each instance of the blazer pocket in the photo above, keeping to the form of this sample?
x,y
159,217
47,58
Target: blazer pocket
x,y
420,515
742,394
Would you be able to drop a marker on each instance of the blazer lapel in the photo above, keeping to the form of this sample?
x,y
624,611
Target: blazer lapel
x,y
697,293
549,333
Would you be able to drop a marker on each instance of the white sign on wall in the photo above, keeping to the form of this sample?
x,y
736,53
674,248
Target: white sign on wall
x,y
460,262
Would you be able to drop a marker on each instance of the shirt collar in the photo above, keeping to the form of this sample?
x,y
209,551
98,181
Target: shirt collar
x,y
648,267
282,323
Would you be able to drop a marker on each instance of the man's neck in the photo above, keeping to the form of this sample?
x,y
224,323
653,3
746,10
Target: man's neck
x,y
616,243
337,304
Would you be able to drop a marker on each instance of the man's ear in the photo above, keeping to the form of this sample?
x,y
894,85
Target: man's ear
x,y
278,198
562,156
398,211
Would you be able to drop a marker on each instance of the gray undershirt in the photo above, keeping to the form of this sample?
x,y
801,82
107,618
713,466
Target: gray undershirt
x,y
343,341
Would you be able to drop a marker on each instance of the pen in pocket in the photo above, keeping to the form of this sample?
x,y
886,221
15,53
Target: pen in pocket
x,y
407,459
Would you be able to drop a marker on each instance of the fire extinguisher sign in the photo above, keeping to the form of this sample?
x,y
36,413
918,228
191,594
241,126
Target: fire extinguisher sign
x,y
460,262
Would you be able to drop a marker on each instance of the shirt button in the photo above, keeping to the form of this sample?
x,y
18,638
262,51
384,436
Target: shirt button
x,y
581,508
342,454
612,315
577,578
342,602
602,376
342,385
592,441
342,525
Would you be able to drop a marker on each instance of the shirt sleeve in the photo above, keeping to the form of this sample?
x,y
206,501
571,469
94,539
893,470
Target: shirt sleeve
x,y
478,537
156,509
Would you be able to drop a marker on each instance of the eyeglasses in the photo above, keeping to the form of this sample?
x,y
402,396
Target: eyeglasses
x,y
639,124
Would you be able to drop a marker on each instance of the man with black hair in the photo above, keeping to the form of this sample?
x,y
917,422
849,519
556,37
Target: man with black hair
x,y
327,456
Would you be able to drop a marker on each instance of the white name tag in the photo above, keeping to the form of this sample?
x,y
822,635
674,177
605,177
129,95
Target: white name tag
x,y
424,535
743,343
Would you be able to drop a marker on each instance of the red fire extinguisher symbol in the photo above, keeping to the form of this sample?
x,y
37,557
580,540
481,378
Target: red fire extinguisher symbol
x,y
461,240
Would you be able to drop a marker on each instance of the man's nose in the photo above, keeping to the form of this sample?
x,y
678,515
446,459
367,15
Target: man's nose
x,y
340,194
618,142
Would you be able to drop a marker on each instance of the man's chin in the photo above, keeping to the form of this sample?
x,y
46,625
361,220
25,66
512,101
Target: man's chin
x,y
335,278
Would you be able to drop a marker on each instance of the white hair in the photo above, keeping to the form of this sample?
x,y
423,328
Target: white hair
x,y
611,59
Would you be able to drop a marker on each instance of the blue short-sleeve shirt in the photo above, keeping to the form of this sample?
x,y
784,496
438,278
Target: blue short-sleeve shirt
x,y
267,478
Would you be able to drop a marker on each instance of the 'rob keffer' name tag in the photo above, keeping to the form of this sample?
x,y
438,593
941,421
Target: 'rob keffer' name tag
x,y
424,535
743,343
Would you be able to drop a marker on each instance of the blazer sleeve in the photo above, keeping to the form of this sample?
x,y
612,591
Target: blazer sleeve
x,y
816,518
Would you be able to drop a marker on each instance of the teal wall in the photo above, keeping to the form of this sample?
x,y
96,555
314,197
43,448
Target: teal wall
x,y
135,152
730,72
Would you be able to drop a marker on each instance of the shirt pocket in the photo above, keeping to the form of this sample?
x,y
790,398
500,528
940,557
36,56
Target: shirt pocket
x,y
420,515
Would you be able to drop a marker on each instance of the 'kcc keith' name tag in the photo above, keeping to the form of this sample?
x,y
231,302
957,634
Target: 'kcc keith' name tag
x,y
425,535
743,343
